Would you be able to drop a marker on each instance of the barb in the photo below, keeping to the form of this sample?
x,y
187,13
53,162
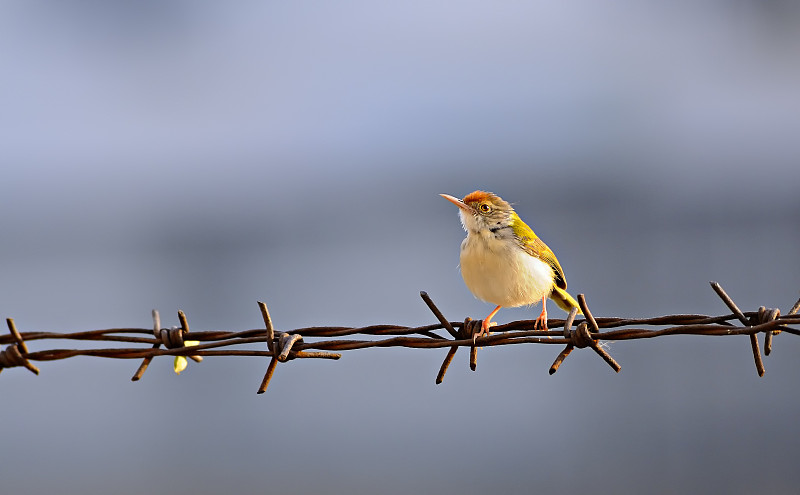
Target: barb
x,y
318,342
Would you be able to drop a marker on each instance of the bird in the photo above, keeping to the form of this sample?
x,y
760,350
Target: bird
x,y
503,262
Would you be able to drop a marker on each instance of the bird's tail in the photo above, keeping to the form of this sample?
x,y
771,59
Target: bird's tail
x,y
564,300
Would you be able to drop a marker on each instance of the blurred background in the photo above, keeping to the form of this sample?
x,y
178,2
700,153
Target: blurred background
x,y
202,156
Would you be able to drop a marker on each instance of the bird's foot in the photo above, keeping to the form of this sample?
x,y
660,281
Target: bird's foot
x,y
484,331
541,321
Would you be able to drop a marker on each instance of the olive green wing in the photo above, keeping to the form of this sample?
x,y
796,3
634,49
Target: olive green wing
x,y
534,246
539,250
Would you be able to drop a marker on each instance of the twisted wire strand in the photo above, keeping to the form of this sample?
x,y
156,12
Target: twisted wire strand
x,y
283,346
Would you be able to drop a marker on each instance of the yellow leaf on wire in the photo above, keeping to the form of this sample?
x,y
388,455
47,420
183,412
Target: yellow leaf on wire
x,y
181,362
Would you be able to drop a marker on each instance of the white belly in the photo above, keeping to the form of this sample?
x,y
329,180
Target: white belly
x,y
503,275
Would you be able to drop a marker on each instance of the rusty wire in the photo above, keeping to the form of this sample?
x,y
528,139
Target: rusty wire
x,y
283,346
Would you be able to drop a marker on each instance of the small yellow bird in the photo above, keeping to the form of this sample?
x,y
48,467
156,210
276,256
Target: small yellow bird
x,y
503,262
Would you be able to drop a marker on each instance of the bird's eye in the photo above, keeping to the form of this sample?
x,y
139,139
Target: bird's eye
x,y
484,208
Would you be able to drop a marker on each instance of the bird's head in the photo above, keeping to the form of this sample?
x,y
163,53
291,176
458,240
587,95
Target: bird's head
x,y
481,210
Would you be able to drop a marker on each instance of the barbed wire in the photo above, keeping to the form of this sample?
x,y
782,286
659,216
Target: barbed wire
x,y
284,346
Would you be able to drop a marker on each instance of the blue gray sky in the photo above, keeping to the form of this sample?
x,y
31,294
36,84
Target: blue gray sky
x,y
203,156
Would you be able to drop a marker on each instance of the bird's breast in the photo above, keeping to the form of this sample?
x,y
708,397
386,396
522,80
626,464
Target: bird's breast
x,y
498,271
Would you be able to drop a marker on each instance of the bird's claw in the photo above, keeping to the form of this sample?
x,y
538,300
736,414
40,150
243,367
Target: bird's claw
x,y
484,331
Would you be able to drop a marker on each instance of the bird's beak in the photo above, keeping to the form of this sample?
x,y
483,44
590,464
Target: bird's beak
x,y
456,202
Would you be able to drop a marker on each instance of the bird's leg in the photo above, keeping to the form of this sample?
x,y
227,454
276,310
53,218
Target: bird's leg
x,y
542,319
487,323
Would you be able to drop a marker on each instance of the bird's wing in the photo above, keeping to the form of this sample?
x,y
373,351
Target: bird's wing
x,y
538,249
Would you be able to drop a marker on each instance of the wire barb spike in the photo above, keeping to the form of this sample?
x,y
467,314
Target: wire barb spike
x,y
743,319
320,342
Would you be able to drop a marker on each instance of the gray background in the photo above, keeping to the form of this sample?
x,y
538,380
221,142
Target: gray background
x,y
179,155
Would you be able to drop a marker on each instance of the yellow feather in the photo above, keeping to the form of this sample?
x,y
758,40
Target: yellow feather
x,y
534,246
